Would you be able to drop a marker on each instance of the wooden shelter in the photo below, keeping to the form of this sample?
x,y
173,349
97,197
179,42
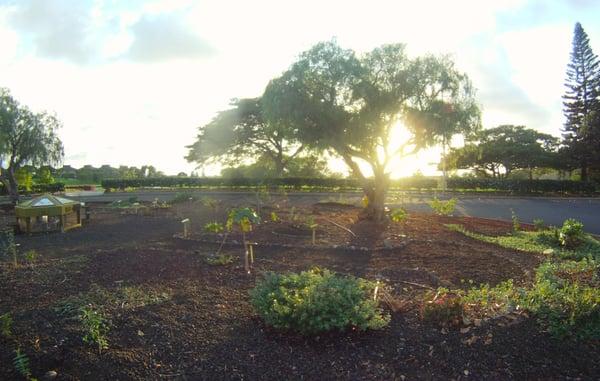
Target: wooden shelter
x,y
48,212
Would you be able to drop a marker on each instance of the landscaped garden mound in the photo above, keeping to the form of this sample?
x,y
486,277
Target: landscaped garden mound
x,y
122,298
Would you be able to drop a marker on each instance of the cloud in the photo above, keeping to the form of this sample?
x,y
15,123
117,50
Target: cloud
x,y
56,29
164,37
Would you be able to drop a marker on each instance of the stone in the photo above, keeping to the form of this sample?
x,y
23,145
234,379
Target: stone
x,y
50,375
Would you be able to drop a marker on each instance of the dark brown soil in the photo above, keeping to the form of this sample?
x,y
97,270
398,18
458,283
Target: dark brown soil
x,y
205,329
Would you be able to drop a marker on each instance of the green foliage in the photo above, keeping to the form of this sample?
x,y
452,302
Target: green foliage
x,y
21,364
516,225
219,260
94,326
398,215
442,307
214,227
8,248
275,217
539,224
24,178
44,176
522,186
317,301
242,217
443,208
30,256
571,234
182,197
6,322
311,223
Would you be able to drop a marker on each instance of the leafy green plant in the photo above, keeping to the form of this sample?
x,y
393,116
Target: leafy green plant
x,y
30,256
214,227
219,260
317,301
443,208
539,224
95,327
6,322
442,307
516,225
21,364
244,218
571,234
398,215
275,217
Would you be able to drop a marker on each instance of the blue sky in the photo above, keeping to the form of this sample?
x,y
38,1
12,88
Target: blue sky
x,y
131,81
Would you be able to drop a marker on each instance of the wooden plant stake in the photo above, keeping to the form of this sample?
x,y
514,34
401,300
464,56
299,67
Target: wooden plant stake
x,y
186,227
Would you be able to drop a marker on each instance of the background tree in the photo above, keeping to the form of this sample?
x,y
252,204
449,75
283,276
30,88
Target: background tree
x,y
25,138
301,166
498,151
339,102
241,132
581,103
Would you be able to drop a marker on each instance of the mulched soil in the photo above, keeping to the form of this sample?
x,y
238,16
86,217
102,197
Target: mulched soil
x,y
206,329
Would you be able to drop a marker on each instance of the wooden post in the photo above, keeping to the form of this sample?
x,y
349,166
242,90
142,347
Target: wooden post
x,y
246,264
186,227
61,223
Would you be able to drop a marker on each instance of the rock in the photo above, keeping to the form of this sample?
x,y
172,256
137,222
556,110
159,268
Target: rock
x,y
387,243
50,375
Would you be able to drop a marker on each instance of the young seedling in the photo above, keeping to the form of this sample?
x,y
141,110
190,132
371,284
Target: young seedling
x,y
243,218
311,223
516,226
6,322
274,217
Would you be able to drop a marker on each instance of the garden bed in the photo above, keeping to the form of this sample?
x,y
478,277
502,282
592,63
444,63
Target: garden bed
x,y
172,315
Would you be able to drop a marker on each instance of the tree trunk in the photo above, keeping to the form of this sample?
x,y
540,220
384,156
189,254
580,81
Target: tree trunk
x,y
375,192
11,185
444,171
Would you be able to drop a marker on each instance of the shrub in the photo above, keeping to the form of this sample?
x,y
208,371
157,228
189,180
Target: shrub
x,y
317,301
443,208
443,308
95,327
539,224
571,234
398,215
214,227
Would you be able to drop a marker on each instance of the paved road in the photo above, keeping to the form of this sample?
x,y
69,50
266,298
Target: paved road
x,y
552,210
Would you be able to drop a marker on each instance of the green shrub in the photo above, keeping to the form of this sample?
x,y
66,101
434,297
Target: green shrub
x,y
214,227
571,234
443,307
516,225
219,260
317,301
182,197
95,327
398,215
6,322
443,208
539,224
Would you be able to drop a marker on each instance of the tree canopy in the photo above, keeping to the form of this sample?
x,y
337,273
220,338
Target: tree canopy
x,y
25,138
242,132
582,103
498,151
351,105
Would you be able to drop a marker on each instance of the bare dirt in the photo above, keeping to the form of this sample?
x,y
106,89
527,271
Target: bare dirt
x,y
202,326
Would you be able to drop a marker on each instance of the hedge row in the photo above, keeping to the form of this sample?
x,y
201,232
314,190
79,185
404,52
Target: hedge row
x,y
523,186
515,186
37,188
286,182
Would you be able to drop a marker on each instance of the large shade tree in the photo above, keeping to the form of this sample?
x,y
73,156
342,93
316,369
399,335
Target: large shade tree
x,y
498,151
26,138
582,103
351,106
241,133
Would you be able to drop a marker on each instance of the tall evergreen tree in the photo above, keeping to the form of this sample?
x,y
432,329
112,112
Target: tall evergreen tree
x,y
581,103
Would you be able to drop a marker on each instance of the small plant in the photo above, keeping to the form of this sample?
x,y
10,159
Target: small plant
x,y
30,256
275,217
244,218
443,208
8,248
312,225
293,215
6,322
95,327
539,224
219,260
317,301
571,234
516,225
398,215
443,308
214,227
21,364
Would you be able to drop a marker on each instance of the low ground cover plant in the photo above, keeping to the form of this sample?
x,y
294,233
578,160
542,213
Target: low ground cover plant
x,y
95,327
443,208
398,215
214,227
571,233
219,260
317,301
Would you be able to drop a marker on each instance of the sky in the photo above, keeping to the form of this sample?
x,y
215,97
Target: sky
x,y
132,80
